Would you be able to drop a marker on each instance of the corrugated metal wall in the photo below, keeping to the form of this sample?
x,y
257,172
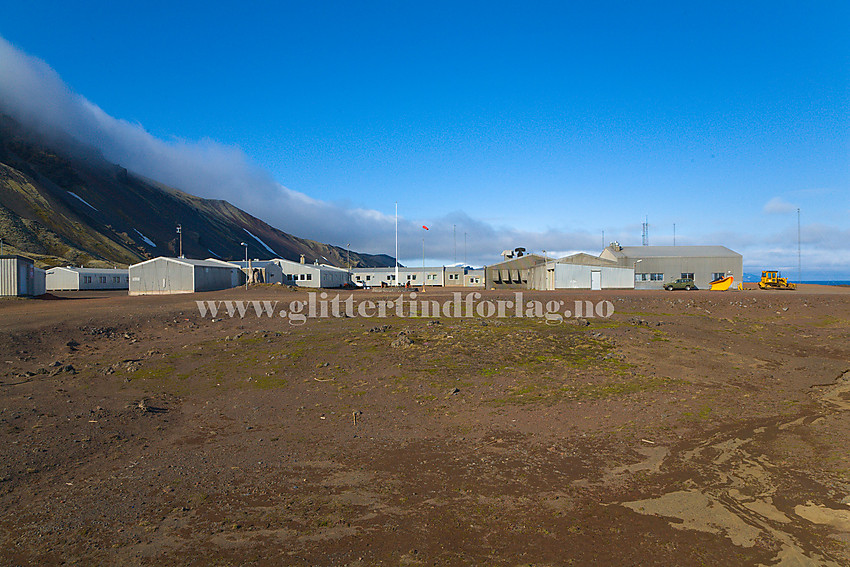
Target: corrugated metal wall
x,y
59,279
161,276
578,276
210,278
8,276
39,282
17,276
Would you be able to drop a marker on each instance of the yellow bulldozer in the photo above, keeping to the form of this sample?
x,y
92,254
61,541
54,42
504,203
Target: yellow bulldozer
x,y
774,280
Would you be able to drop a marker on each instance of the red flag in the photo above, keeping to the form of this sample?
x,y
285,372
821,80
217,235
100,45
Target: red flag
x,y
425,227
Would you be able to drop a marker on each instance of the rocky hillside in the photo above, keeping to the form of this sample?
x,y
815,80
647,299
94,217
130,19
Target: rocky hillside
x,y
71,206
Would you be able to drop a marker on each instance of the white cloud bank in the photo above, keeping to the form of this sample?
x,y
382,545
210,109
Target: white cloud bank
x,y
35,95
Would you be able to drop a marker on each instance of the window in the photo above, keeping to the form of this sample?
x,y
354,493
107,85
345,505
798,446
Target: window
x,y
102,279
718,276
302,277
641,277
86,279
656,277
310,276
368,278
687,276
116,279
357,278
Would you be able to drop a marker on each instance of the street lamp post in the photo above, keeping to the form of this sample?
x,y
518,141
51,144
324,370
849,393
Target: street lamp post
x,y
634,269
246,264
180,236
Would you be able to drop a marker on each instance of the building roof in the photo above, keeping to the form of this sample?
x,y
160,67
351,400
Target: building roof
x,y
586,260
672,252
16,257
263,264
90,270
189,262
391,270
521,263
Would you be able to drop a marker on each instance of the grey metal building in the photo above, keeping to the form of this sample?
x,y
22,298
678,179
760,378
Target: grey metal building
x,y
581,271
312,275
655,265
20,277
182,275
74,279
514,273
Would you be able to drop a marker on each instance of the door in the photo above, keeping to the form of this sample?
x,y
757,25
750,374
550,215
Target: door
x,y
595,280
550,279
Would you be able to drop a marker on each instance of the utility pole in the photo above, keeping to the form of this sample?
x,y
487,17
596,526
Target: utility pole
x,y
180,236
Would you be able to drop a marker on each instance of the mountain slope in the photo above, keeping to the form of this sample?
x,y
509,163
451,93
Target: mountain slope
x,y
71,206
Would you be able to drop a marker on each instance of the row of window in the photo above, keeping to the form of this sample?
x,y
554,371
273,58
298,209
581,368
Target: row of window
x,y
103,279
391,277
297,277
650,277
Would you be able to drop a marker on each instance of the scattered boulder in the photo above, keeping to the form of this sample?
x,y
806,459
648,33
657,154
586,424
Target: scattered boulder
x,y
401,341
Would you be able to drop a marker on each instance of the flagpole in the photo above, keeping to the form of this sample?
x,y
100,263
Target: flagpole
x,y
396,243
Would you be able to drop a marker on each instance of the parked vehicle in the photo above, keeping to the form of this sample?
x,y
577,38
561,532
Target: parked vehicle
x,y
682,283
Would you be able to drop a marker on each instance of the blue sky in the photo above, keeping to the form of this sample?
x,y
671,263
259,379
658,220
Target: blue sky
x,y
524,125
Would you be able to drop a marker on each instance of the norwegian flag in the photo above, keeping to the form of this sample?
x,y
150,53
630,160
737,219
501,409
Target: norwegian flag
x,y
425,227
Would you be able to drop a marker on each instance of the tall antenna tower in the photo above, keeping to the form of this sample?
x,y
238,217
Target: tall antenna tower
x,y
799,255
645,235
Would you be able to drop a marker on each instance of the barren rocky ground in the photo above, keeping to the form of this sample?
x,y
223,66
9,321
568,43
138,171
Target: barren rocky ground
x,y
689,428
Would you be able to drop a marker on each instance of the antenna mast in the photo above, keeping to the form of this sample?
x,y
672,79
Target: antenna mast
x,y
799,255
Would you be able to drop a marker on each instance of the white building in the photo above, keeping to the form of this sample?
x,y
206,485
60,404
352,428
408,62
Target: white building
x,y
378,277
312,275
75,279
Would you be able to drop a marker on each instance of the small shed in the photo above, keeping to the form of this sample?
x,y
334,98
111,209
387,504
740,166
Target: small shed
x,y
20,277
182,275
75,279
